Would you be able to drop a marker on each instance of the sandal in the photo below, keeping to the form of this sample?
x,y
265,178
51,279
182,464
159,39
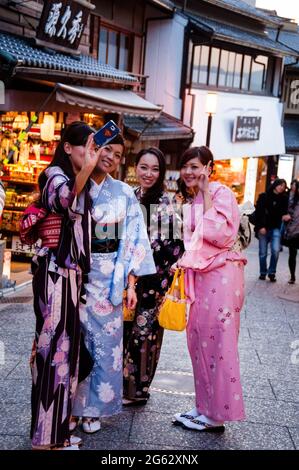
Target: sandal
x,y
136,402
74,421
198,425
73,444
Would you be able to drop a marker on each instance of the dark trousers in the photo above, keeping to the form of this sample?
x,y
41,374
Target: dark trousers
x,y
292,260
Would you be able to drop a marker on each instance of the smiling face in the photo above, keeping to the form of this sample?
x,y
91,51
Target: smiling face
x,y
147,171
109,158
190,172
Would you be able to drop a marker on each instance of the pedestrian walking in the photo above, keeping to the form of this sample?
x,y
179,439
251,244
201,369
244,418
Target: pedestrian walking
x,y
214,279
120,251
57,281
271,209
291,233
143,336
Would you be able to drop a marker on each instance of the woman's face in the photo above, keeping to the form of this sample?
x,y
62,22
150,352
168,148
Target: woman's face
x,y
76,154
293,187
147,171
190,172
280,188
109,158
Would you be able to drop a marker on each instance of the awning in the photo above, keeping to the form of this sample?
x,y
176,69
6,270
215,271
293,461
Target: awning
x,y
164,128
107,100
291,134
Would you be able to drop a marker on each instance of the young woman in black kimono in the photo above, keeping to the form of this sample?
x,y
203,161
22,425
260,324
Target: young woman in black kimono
x,y
143,337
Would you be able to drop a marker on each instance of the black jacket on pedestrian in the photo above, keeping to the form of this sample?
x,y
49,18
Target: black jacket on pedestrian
x,y
270,208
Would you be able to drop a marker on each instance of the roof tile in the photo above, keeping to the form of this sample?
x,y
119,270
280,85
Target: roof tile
x,y
32,56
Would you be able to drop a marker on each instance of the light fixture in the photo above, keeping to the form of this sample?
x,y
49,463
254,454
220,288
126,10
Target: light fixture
x,y
211,103
47,128
236,164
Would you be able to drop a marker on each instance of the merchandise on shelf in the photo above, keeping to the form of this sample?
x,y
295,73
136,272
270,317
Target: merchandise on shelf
x,y
23,156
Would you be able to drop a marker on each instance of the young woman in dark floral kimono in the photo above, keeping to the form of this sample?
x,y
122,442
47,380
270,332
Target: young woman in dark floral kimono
x,y
59,264
143,337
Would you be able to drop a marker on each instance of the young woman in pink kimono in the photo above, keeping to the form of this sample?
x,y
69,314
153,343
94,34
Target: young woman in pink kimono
x,y
214,279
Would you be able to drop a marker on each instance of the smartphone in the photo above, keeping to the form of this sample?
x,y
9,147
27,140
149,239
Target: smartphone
x,y
104,135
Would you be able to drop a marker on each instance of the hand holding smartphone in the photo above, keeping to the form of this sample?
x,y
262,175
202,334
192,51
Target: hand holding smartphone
x,y
107,133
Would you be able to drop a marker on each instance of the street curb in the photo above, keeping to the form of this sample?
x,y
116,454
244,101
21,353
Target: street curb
x,y
11,290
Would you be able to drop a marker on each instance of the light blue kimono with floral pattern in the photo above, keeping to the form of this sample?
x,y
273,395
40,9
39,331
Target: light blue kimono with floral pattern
x,y
113,205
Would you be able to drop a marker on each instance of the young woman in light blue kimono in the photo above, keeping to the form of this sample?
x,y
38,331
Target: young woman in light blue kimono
x,y
120,252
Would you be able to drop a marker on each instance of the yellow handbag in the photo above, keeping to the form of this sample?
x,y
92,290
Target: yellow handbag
x,y
128,314
173,311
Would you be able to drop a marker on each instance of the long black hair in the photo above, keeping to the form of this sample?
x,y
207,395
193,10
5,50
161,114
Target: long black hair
x,y
75,134
203,154
276,183
153,194
295,199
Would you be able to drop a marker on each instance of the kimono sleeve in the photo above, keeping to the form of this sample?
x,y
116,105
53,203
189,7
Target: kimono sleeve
x,y
138,251
59,192
167,243
221,222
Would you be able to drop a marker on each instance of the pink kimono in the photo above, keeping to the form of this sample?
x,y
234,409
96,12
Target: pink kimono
x,y
215,287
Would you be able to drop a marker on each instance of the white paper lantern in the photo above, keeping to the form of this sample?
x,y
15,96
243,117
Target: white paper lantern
x,y
47,128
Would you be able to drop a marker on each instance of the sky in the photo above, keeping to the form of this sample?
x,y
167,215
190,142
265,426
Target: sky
x,y
286,8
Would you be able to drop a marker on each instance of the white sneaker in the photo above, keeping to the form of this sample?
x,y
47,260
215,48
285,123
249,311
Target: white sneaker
x,y
91,425
180,418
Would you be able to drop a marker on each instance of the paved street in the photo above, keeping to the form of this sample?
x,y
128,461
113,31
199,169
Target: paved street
x,y
271,381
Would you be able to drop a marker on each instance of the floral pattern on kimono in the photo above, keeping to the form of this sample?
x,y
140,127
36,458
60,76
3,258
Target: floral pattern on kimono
x,y
113,205
215,285
143,337
56,289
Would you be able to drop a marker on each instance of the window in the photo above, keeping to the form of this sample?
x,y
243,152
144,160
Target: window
x,y
114,48
214,66
258,73
246,72
222,68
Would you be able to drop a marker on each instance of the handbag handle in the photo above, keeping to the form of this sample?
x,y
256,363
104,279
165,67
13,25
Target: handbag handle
x,y
178,276
182,284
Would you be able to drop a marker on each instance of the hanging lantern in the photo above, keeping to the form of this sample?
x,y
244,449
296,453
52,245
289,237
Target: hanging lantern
x,y
47,128
21,121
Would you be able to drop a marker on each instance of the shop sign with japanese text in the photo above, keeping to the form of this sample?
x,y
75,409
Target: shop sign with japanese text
x,y
246,128
62,22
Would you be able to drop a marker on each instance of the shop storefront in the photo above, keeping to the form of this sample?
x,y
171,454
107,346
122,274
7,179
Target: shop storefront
x,y
244,142
36,110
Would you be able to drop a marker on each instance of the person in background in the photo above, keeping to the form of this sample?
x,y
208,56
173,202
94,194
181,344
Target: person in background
x,y
143,336
292,229
59,266
271,209
214,281
120,252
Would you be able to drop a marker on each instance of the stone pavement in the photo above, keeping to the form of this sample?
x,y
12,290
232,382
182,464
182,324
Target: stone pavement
x,y
269,364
